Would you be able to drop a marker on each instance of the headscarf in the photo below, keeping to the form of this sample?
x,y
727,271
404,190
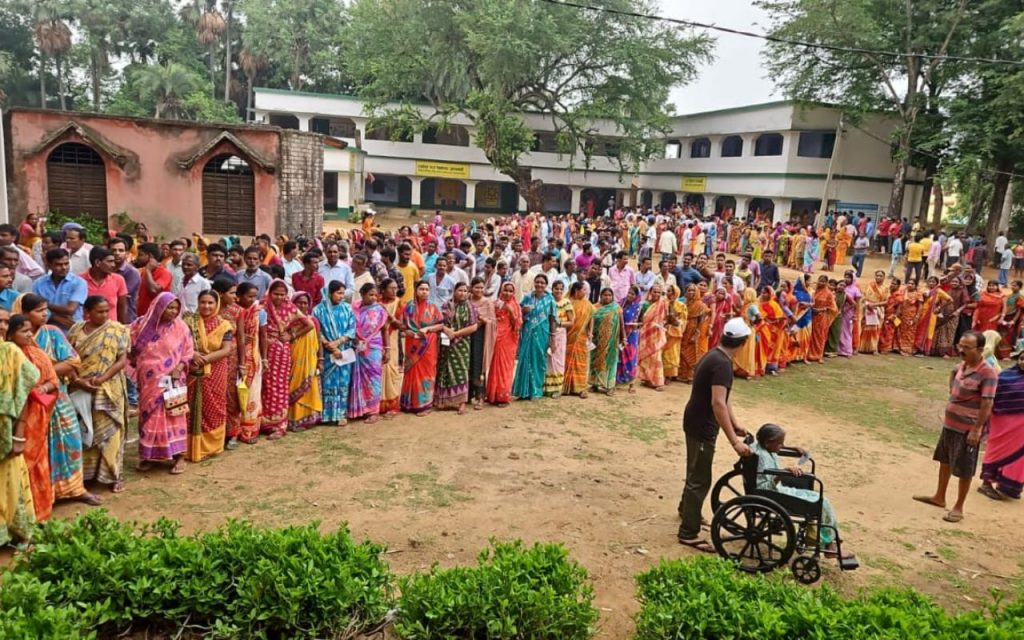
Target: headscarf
x,y
145,329
988,354
802,297
277,314
336,320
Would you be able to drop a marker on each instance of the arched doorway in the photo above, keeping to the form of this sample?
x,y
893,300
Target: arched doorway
x,y
695,200
76,181
668,199
229,196
763,207
724,202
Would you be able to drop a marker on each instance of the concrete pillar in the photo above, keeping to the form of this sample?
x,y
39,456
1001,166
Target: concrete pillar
x,y
680,197
522,204
345,200
470,195
575,201
741,206
303,121
415,194
709,204
783,208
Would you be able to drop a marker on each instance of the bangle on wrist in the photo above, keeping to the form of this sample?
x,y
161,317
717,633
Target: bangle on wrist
x,y
17,439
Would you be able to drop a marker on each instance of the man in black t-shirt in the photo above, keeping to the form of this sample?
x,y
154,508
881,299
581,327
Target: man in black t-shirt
x,y
707,410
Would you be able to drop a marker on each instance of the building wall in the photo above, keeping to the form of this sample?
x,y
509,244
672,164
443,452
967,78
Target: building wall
x,y
151,187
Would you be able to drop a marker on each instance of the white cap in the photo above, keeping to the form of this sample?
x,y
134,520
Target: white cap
x,y
736,328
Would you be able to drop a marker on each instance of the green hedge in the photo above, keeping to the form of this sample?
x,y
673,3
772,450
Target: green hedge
x,y
513,593
707,598
96,574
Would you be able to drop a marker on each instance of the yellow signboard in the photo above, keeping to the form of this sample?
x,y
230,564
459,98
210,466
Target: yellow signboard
x,y
695,184
429,169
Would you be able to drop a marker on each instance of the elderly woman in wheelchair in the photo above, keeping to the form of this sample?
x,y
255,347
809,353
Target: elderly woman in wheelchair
x,y
765,513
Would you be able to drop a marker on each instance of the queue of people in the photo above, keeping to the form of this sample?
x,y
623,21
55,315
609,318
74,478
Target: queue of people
x,y
215,344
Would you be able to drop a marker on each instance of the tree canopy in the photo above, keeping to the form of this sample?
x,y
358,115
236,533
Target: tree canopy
x,y
489,61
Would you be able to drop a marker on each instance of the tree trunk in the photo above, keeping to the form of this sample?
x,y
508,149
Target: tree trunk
x,y
42,80
899,187
531,191
95,80
60,85
1000,185
227,53
937,197
213,71
248,99
977,204
926,189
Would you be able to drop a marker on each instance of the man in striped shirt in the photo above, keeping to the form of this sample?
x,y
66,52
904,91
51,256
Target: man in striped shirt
x,y
972,388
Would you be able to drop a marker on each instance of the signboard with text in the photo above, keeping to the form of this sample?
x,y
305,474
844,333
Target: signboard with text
x,y
695,184
430,169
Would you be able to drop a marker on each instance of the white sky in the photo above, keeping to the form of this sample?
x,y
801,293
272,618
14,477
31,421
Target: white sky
x,y
735,77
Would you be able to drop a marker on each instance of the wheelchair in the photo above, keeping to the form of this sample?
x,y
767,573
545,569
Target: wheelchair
x,y
762,530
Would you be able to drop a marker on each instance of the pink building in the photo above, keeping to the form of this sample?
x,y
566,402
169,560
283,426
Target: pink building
x,y
176,177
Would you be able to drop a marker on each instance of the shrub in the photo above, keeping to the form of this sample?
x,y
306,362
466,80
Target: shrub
x,y
237,581
513,592
708,598
95,230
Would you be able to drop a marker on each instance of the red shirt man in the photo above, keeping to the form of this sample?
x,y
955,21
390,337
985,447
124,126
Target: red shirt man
x,y
101,280
309,279
155,278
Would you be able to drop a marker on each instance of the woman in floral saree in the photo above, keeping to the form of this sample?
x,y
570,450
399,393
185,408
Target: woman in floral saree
x,y
771,333
18,377
909,313
675,324
609,337
368,372
698,320
161,350
251,346
748,362
631,308
65,444
891,322
208,378
422,321
824,312
305,401
103,346
540,318
652,339
35,417
933,301
577,343
285,324
803,315
460,321
481,342
508,320
555,375
337,332
391,378
1012,321
227,294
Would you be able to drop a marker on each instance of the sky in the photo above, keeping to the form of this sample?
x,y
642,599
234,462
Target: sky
x,y
735,77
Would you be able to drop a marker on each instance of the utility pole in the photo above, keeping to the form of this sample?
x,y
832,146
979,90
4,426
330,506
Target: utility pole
x,y
4,215
820,220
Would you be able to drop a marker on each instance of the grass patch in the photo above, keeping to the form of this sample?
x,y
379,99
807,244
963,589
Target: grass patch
x,y
956,533
414,490
881,563
603,413
947,553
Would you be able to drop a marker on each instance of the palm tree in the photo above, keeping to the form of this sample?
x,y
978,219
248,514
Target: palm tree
x,y
229,11
209,24
251,64
53,38
166,85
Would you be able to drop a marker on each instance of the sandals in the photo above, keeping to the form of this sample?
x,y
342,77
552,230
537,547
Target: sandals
x,y
698,544
178,468
989,491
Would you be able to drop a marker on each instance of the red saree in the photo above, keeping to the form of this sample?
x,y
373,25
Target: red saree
x,y
825,311
37,429
506,342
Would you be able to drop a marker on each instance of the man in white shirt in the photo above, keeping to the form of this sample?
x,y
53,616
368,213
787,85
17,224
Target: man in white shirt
x,y
954,248
78,249
191,283
730,273
645,276
521,278
667,244
177,247
290,256
547,267
492,281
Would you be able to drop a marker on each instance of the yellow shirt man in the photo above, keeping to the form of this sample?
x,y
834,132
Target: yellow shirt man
x,y
915,251
410,274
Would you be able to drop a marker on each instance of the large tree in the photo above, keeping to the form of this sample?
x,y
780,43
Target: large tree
x,y
492,60
906,80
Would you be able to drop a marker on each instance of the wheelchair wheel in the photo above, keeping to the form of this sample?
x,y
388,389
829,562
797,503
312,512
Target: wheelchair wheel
x,y
806,569
754,532
728,487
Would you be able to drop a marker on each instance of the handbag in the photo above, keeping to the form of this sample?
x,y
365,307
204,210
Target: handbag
x,y
176,401
45,399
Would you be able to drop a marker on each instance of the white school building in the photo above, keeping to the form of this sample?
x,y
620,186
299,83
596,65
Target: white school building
x,y
777,156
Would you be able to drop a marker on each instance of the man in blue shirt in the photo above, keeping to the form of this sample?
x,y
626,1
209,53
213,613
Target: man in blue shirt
x,y
7,293
252,272
687,274
334,269
64,292
769,270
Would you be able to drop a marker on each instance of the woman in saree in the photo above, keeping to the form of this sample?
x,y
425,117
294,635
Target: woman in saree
x,y
748,362
835,330
650,369
812,252
891,321
250,345
909,312
18,378
1002,470
305,400
540,321
460,321
609,337
161,350
37,415
65,445
421,321
989,310
577,350
391,384
824,312
933,301
337,332
875,297
722,309
1012,321
555,374
481,345
227,292
285,325
801,326
771,332
843,241
675,325
103,346
948,319
693,341
367,373
208,378
631,308
508,321
796,250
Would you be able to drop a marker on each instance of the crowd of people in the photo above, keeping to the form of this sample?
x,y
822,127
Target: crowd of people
x,y
216,343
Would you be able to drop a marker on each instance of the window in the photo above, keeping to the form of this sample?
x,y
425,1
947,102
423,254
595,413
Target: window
x,y
388,135
768,144
700,148
816,144
334,127
673,148
76,181
229,197
732,147
454,136
545,142
285,121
